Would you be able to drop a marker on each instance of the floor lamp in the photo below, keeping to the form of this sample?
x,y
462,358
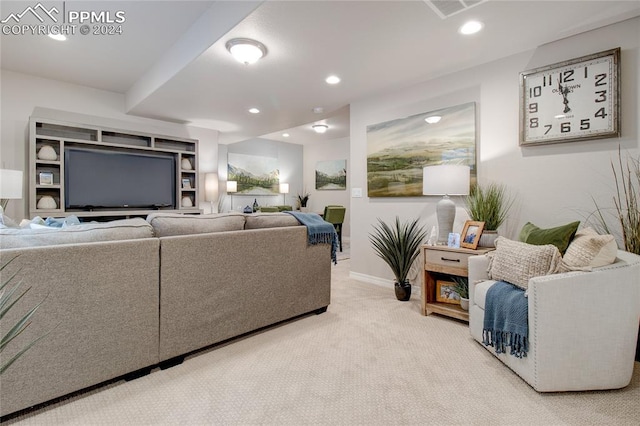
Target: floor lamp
x,y
232,186
211,189
284,190
445,180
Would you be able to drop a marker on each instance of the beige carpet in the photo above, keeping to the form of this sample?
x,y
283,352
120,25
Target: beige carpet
x,y
368,360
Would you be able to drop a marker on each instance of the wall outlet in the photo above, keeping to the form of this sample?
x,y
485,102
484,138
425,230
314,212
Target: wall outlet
x,y
356,192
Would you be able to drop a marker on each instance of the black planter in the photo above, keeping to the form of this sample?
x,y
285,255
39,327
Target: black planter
x,y
403,291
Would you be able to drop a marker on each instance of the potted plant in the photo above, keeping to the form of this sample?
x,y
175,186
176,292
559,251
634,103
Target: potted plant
x,y
399,246
462,288
626,200
489,204
303,200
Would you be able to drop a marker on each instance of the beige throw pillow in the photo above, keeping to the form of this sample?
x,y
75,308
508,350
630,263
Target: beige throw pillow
x,y
516,262
589,250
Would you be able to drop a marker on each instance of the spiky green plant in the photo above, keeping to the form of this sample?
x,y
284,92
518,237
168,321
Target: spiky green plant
x,y
626,201
9,297
461,286
398,245
489,204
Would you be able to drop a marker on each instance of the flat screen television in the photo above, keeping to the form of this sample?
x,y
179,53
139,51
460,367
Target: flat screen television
x,y
97,179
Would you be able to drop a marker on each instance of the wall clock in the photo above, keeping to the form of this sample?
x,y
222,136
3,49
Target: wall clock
x,y
572,100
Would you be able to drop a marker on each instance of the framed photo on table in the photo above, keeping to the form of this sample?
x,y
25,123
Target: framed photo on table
x,y
471,234
445,292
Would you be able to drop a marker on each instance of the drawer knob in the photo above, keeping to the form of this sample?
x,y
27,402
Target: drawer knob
x,y
450,260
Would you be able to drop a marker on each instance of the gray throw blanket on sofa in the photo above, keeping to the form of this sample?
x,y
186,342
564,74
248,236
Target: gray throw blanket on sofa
x,y
318,231
506,319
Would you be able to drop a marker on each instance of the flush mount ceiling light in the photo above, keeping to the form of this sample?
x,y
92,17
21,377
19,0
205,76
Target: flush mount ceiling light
x,y
332,79
59,37
246,50
433,119
470,27
320,128
254,110
285,135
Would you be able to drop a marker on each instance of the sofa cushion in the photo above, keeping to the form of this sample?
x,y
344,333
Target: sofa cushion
x,y
589,250
168,224
269,220
125,229
480,292
516,262
559,236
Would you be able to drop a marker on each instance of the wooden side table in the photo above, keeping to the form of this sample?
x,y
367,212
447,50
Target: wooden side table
x,y
440,261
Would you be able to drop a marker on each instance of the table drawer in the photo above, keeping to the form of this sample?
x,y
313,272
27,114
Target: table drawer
x,y
448,259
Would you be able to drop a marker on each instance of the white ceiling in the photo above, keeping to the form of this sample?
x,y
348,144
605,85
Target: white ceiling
x,y
171,63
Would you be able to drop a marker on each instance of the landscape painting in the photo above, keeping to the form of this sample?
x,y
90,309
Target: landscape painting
x,y
331,175
255,175
397,150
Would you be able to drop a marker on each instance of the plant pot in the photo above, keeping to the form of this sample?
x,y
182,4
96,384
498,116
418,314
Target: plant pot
x,y
464,303
304,209
488,239
403,291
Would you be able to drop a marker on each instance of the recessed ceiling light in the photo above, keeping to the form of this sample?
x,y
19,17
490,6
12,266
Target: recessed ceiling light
x,y
285,135
470,27
433,119
320,128
318,110
254,110
246,50
332,79
59,37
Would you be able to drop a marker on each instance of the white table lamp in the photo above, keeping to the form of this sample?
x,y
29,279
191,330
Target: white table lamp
x,y
232,186
284,190
445,180
10,186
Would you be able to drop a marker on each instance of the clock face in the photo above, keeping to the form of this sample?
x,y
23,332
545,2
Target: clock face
x,y
572,100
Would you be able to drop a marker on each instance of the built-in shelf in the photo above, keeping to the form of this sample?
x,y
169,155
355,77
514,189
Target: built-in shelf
x,y
48,140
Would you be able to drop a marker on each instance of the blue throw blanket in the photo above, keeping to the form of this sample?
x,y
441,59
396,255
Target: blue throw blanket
x,y
506,319
318,231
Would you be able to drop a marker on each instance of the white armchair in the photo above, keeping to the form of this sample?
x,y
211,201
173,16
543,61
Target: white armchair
x,y
583,326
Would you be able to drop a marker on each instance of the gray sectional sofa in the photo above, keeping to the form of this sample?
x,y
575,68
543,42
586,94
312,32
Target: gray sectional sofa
x,y
123,297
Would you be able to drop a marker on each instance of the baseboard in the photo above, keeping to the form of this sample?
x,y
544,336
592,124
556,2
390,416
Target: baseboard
x,y
370,279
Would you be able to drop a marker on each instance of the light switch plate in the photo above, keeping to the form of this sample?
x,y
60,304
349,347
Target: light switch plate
x,y
356,192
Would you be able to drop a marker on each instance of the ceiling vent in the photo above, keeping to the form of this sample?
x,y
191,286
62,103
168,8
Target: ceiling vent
x,y
447,8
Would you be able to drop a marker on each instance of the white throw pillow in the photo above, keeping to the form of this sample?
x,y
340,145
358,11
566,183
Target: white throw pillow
x,y
589,250
516,262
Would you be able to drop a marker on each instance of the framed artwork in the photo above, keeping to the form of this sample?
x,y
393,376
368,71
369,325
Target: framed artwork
x,y
397,150
471,234
445,292
255,175
46,178
571,101
454,240
331,175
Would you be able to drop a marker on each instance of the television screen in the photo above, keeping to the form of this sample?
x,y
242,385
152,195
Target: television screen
x,y
96,179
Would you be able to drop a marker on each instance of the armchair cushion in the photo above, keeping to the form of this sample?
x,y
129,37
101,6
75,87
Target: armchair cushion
x,y
589,250
559,236
516,262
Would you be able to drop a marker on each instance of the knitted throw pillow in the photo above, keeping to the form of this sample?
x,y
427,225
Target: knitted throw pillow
x,y
589,250
516,262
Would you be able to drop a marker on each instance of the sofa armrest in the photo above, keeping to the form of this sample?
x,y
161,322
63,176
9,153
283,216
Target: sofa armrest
x,y
478,271
585,321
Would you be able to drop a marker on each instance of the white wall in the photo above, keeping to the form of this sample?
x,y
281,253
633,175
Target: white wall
x,y
21,93
554,183
336,149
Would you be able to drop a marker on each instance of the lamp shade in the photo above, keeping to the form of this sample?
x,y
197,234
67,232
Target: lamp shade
x,y
10,184
210,186
284,188
445,179
232,186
